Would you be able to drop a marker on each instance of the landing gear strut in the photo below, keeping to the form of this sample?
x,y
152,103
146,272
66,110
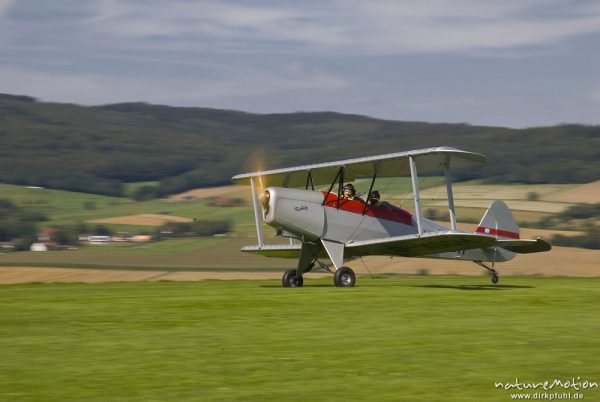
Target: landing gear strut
x,y
494,274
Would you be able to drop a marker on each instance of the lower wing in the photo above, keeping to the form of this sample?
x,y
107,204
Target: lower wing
x,y
415,246
276,251
412,245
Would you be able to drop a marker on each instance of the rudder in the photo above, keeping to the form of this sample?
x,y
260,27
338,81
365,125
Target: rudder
x,y
499,222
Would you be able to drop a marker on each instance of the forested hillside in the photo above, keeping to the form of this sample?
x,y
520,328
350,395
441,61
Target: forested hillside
x,y
96,149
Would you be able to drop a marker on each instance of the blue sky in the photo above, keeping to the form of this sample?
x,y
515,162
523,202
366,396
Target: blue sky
x,y
515,63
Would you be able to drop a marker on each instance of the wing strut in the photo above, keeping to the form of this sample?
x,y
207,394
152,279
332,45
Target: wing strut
x,y
340,186
450,196
309,180
340,175
370,190
415,186
257,213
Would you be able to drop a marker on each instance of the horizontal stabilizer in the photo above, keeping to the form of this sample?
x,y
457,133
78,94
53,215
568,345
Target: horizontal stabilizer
x,y
525,246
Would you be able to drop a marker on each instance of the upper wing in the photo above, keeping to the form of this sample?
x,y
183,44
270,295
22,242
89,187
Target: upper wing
x,y
414,246
388,165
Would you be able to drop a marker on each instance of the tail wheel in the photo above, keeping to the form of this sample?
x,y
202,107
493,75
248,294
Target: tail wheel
x,y
344,278
289,280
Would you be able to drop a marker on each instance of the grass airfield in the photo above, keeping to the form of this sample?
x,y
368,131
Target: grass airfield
x,y
400,339
165,336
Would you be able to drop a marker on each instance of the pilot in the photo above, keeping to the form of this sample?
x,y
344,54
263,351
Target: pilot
x,y
349,193
374,199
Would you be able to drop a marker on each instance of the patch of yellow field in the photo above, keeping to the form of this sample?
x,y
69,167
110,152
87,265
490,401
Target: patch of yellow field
x,y
586,193
142,219
201,193
497,191
10,275
525,233
517,205
560,261
13,275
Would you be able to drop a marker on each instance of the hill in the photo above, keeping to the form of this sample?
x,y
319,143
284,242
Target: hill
x,y
96,149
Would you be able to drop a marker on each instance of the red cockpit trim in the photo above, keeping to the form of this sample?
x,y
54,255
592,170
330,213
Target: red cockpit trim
x,y
380,211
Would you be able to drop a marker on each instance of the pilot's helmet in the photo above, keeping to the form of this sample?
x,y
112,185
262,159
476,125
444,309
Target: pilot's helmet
x,y
350,187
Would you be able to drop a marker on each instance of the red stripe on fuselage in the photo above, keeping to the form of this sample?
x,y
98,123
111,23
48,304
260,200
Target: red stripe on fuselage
x,y
498,232
381,211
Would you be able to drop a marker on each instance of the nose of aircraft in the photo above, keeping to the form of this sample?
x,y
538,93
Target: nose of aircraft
x,y
264,200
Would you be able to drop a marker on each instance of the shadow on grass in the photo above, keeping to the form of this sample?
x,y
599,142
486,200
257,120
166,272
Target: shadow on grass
x,y
474,287
311,285
384,285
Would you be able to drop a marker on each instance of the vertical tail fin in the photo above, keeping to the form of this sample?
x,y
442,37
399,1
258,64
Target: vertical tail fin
x,y
499,222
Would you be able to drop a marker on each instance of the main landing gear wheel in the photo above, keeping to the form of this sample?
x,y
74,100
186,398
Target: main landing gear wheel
x,y
344,278
289,280
495,278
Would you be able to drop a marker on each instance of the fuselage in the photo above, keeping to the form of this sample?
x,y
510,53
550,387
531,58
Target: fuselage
x,y
314,215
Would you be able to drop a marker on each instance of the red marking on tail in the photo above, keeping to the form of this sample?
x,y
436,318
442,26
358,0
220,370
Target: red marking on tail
x,y
498,232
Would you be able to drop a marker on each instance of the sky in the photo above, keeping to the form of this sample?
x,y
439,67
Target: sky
x,y
513,63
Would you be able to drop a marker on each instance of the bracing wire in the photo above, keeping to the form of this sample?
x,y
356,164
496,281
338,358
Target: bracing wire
x,y
361,260
432,187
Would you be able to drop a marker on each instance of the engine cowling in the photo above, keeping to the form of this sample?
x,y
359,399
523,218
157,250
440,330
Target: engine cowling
x,y
297,211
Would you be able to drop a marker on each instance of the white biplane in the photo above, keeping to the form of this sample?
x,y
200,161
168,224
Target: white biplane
x,y
324,224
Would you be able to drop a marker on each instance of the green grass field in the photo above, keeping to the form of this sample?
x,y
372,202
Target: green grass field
x,y
403,339
64,207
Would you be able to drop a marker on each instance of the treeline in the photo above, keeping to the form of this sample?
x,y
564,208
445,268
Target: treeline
x,y
69,234
97,149
18,225
586,217
199,228
19,228
590,240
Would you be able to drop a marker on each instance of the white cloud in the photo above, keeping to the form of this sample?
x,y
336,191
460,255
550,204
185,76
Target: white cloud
x,y
379,26
392,27
88,88
5,6
5,32
447,55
